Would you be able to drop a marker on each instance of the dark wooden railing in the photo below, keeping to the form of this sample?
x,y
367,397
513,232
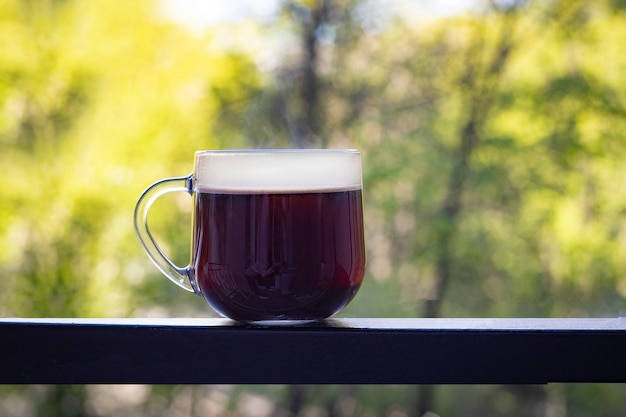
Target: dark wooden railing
x,y
342,351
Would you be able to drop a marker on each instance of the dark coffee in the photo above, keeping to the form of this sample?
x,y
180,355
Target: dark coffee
x,y
278,256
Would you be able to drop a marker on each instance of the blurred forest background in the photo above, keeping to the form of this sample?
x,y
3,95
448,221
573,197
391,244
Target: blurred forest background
x,y
494,155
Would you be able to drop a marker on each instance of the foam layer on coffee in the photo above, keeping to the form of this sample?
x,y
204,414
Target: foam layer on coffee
x,y
278,171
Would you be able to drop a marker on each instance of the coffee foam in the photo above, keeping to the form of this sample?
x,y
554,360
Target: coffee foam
x,y
292,170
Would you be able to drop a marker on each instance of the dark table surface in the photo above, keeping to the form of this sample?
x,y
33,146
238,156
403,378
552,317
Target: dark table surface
x,y
341,350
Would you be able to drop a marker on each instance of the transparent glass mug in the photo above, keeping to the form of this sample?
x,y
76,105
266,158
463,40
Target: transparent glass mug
x,y
277,235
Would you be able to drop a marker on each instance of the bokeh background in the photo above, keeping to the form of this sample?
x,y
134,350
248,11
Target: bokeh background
x,y
493,136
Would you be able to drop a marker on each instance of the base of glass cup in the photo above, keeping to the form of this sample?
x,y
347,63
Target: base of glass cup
x,y
280,323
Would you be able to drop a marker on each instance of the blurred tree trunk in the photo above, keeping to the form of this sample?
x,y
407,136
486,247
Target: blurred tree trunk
x,y
479,88
297,396
306,119
312,115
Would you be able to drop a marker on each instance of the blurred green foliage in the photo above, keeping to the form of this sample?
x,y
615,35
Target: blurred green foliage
x,y
493,148
98,100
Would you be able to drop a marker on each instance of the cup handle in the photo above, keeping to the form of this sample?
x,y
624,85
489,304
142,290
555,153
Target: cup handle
x,y
183,277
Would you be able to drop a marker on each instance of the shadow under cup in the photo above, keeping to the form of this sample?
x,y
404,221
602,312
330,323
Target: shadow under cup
x,y
277,235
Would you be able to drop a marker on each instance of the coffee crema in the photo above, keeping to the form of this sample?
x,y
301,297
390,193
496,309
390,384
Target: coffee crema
x,y
277,171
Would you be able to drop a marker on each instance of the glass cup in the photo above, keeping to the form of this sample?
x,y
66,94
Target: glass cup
x,y
277,235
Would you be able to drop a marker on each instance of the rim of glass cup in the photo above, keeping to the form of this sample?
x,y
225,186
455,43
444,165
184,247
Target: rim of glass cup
x,y
286,150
